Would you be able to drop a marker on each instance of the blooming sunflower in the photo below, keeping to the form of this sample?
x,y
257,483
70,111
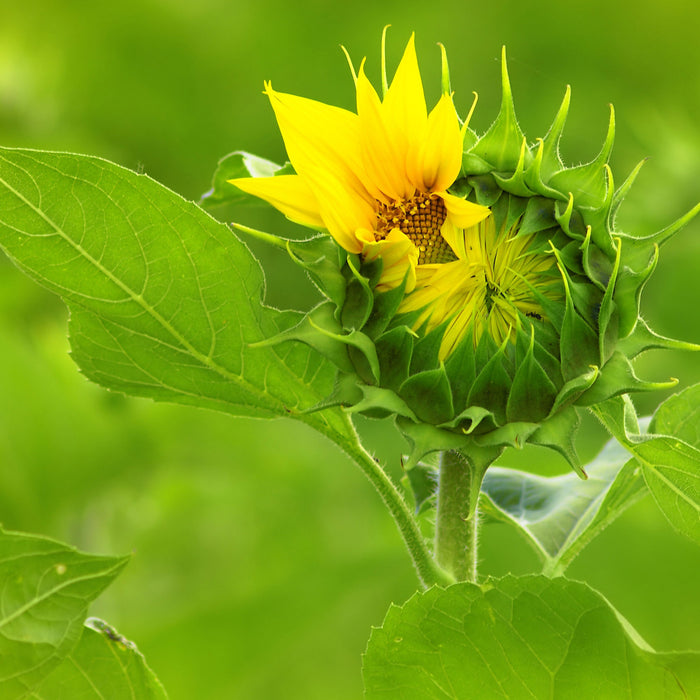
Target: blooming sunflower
x,y
483,319
377,180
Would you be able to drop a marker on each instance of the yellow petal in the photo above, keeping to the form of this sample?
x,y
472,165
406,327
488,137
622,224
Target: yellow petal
x,y
323,145
462,213
383,149
404,104
288,193
399,259
440,157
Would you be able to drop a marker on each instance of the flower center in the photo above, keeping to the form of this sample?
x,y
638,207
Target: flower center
x,y
420,218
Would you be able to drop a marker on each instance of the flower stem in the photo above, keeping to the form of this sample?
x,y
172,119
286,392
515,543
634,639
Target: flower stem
x,y
456,534
429,573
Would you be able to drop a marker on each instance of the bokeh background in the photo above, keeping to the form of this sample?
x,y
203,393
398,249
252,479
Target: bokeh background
x,y
261,555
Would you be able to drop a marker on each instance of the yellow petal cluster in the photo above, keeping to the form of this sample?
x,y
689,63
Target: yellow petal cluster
x,y
377,179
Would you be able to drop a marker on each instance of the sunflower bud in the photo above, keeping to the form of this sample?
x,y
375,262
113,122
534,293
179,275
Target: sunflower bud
x,y
475,287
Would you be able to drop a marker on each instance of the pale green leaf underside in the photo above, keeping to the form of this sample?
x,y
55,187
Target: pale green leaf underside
x,y
103,666
561,515
45,589
164,300
670,461
529,637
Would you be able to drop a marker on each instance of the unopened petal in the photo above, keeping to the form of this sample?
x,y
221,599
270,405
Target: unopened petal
x,y
399,259
462,213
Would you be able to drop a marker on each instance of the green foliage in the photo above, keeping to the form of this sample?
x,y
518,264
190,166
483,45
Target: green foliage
x,y
560,515
155,310
671,466
46,589
527,637
104,666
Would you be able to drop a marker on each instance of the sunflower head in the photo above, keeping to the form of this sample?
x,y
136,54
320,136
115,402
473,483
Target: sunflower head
x,y
475,287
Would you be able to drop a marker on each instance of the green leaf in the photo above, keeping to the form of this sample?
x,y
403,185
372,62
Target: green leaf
x,y
165,302
560,515
529,637
104,665
45,590
671,466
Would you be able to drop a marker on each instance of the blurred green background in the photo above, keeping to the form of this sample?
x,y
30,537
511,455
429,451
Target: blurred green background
x,y
261,555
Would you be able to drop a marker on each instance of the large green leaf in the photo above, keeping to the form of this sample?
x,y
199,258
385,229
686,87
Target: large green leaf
x,y
560,515
670,464
529,637
103,666
45,589
165,302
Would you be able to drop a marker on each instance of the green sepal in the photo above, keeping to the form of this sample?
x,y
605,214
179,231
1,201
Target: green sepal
x,y
608,316
617,377
597,266
486,191
588,181
323,259
558,433
574,388
426,350
538,216
429,395
628,293
532,393
621,193
492,386
516,209
473,164
470,419
644,338
425,439
570,219
515,184
359,300
317,329
384,308
394,350
461,370
578,342
485,350
501,144
665,234
235,165
550,160
381,403
508,435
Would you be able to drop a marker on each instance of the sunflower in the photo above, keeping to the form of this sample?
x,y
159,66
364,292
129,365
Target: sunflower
x,y
376,180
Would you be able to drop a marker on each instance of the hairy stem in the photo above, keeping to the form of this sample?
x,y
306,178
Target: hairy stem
x,y
456,534
429,573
